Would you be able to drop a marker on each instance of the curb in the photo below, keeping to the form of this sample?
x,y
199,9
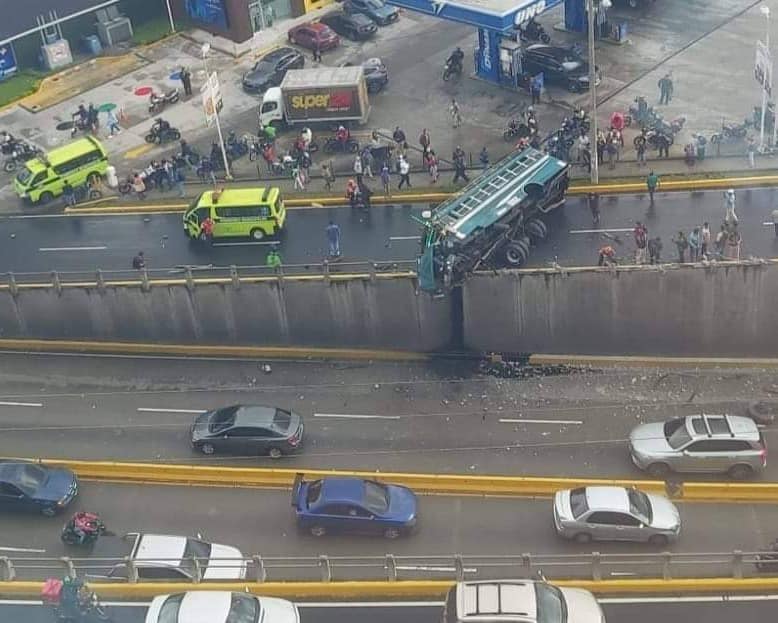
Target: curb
x,y
607,361
433,589
430,484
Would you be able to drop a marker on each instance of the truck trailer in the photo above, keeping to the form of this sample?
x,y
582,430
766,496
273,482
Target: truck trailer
x,y
321,95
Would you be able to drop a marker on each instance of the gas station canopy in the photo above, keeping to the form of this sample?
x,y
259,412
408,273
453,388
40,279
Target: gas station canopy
x,y
495,15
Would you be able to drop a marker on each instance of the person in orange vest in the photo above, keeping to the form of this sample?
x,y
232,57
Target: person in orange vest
x,y
607,255
206,229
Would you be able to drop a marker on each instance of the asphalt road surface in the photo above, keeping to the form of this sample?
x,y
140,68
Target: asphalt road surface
x,y
386,233
262,522
669,610
440,418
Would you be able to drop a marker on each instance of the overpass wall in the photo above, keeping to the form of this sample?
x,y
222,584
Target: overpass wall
x,y
381,313
726,310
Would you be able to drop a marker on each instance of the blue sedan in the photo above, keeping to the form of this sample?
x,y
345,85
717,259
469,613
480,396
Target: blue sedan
x,y
36,488
353,505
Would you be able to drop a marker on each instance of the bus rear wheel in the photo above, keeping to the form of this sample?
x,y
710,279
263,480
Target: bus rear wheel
x,y
515,254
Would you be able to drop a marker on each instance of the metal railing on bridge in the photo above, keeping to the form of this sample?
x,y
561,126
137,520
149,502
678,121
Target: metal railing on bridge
x,y
594,566
193,274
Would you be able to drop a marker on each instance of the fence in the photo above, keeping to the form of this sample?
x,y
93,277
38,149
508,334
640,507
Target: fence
x,y
204,273
594,566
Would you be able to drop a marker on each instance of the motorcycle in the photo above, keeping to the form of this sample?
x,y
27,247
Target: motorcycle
x,y
452,68
730,133
20,154
162,134
672,127
84,528
641,113
157,103
767,561
235,147
532,32
656,138
73,602
80,125
350,146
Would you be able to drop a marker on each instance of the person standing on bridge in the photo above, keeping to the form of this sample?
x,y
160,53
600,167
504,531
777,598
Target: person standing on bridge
x,y
681,243
640,232
652,183
333,239
655,250
730,217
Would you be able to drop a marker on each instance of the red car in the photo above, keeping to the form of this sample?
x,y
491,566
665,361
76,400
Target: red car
x,y
313,35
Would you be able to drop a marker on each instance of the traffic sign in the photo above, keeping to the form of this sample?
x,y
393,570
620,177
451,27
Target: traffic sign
x,y
7,61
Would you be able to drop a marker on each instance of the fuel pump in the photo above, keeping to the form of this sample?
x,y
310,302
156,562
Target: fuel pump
x,y
510,62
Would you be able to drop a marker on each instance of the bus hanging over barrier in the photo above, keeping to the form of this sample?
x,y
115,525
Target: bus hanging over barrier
x,y
494,221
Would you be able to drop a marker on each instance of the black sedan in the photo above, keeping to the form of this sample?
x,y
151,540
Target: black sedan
x,y
376,74
559,65
356,26
37,488
270,70
248,429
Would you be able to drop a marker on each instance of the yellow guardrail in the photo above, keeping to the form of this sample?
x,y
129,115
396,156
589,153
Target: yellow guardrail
x,y
434,484
576,188
403,589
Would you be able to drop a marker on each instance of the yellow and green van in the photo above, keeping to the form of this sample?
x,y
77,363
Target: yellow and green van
x,y
41,179
237,212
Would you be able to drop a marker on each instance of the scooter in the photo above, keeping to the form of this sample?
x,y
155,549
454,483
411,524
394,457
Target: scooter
x,y
157,103
531,32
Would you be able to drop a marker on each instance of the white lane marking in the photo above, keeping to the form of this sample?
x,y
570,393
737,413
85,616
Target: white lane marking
x,y
768,224
598,231
241,244
506,420
155,410
353,416
46,249
689,599
438,569
622,573
404,237
23,549
20,404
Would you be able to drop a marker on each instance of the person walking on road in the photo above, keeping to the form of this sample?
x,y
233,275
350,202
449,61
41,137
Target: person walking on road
x,y
186,80
681,243
640,233
456,114
705,240
386,180
424,141
655,250
328,175
751,152
594,208
398,136
139,262
273,259
535,88
652,183
665,85
405,170
113,124
367,162
730,217
69,193
333,239
459,165
483,158
694,245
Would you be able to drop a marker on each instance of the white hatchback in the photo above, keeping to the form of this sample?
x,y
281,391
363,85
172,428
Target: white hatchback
x,y
220,607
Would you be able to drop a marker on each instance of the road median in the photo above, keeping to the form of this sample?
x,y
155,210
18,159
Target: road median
x,y
434,589
431,484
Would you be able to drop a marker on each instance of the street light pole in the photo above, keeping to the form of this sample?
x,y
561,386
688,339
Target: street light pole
x,y
170,16
766,12
205,49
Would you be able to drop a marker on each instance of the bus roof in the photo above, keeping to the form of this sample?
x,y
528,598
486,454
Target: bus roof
x,y
240,196
484,201
67,152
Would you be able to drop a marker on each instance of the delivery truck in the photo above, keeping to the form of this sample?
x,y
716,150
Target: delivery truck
x,y
335,95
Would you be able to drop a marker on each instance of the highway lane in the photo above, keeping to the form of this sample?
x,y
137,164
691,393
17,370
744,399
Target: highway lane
x,y
442,417
386,233
669,610
262,522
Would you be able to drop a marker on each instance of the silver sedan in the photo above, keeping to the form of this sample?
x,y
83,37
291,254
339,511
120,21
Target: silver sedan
x,y
615,514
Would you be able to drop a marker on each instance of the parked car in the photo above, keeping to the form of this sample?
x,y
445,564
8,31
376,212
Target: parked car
x,y
166,557
353,505
220,607
36,488
270,70
314,35
559,65
248,429
615,514
699,443
356,26
376,74
378,11
519,601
